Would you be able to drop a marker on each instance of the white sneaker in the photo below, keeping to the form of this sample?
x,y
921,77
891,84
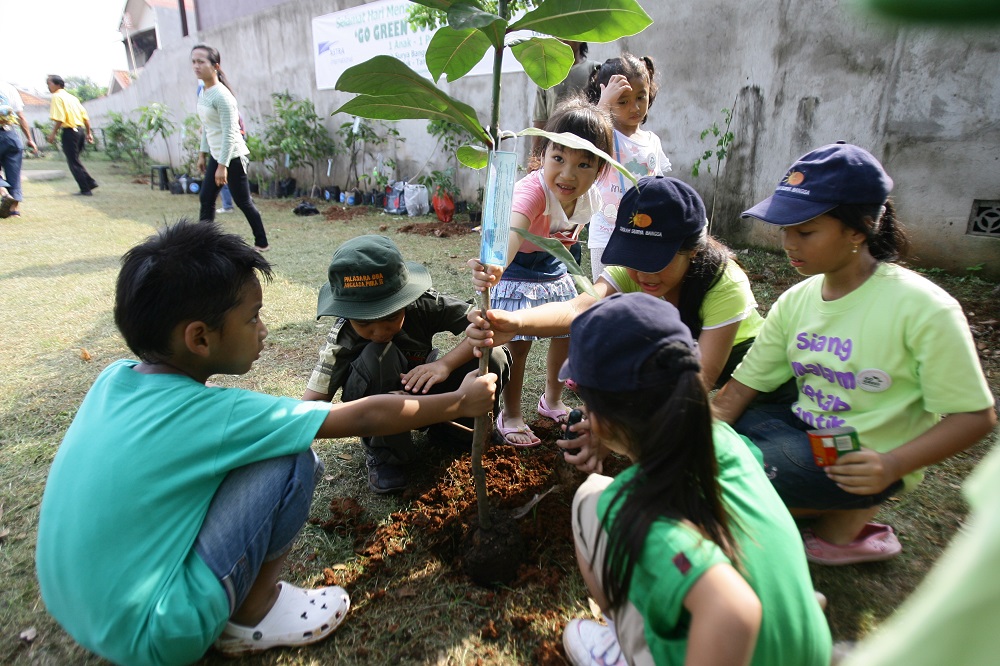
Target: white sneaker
x,y
590,643
223,210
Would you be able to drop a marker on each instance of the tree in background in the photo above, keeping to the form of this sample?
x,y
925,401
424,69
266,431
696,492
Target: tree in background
x,y
84,89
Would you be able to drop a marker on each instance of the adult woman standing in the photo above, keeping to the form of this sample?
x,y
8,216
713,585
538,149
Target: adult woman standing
x,y
224,153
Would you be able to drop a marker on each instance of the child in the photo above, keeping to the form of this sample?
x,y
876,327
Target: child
x,y
554,201
171,505
659,247
688,552
872,346
624,87
223,143
387,316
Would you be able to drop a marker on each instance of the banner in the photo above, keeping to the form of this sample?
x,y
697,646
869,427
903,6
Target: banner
x,y
349,37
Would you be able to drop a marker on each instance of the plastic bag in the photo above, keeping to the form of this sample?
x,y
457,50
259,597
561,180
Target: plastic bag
x,y
395,198
416,200
444,206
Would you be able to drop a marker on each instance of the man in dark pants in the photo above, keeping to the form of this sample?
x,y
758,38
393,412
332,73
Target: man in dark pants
x,y
69,116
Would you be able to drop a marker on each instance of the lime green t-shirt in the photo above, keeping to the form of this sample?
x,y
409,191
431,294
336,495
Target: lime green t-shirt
x,y
886,359
793,629
126,497
729,300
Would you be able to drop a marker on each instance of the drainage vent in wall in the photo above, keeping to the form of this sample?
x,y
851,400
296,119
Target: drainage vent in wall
x,y
985,219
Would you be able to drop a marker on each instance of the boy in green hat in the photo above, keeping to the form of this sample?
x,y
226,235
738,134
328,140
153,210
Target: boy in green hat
x,y
387,315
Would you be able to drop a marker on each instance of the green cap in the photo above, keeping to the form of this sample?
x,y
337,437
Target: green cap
x,y
368,279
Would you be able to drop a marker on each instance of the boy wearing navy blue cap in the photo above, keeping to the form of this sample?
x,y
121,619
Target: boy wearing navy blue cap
x,y
870,345
382,341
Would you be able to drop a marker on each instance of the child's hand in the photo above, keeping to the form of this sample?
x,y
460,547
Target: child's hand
x,y
590,458
500,329
864,472
477,393
421,378
616,86
484,276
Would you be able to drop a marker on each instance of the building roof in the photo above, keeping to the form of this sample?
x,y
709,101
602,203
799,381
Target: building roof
x,y
32,100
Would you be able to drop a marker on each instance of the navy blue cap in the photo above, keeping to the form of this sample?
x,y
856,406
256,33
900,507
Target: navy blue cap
x,y
821,180
611,341
654,219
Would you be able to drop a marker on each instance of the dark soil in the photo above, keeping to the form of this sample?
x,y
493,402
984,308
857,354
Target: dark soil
x,y
346,213
439,229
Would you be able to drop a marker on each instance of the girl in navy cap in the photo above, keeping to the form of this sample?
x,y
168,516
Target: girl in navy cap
x,y
660,247
689,552
872,347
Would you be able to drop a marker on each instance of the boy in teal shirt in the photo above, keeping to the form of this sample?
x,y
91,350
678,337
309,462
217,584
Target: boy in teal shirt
x,y
171,504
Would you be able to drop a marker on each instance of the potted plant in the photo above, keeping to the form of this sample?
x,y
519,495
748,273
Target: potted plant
x,y
442,184
476,207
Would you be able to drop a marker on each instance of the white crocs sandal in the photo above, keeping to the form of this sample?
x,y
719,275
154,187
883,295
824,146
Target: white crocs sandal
x,y
298,617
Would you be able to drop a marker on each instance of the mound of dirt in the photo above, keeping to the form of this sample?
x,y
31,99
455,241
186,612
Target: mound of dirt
x,y
439,229
346,213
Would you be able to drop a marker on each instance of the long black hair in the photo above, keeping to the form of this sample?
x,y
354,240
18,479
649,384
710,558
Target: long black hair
x,y
668,429
706,269
886,236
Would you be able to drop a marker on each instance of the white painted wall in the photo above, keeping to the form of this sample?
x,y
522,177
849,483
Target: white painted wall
x,y
925,101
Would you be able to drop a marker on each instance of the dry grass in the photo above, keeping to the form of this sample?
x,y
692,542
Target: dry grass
x,y
56,286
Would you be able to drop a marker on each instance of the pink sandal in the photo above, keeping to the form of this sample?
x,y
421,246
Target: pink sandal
x,y
557,415
501,434
875,543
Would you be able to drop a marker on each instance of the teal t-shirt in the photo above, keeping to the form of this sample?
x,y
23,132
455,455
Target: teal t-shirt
x,y
793,630
126,497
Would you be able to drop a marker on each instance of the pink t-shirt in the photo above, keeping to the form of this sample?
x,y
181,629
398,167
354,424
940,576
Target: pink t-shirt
x,y
534,200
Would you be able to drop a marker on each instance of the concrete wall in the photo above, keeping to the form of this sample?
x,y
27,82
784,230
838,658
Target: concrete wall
x,y
801,74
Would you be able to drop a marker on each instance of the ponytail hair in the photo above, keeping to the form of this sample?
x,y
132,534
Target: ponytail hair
x,y
629,66
668,429
885,235
215,59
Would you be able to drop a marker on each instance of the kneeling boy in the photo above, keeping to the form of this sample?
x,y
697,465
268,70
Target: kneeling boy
x,y
171,505
387,316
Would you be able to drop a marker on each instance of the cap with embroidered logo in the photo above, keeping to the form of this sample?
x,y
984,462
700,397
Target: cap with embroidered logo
x,y
654,219
368,279
821,180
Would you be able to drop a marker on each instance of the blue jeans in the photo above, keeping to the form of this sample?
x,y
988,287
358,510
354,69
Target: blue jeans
x,y
227,198
11,154
789,462
254,518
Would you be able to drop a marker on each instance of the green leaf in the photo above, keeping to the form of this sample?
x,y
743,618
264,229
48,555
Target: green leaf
x,y
384,76
559,251
545,59
573,141
474,157
586,20
463,15
455,52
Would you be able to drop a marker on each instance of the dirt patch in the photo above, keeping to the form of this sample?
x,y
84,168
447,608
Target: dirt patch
x,y
347,213
439,229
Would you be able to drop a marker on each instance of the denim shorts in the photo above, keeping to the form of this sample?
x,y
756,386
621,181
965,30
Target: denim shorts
x,y
789,462
254,518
